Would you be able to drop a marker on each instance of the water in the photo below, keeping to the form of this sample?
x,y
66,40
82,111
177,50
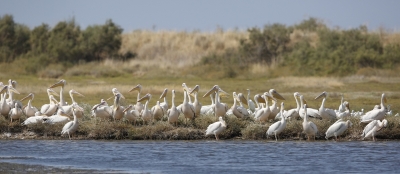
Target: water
x,y
208,156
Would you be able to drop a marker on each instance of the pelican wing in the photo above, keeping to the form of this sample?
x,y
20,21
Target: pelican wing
x,y
67,127
213,127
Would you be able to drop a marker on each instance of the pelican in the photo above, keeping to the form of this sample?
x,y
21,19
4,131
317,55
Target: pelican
x,y
208,109
187,109
342,106
29,110
216,128
310,111
196,104
68,108
274,108
257,99
238,111
102,110
173,113
164,104
337,128
250,103
60,117
138,106
292,113
146,113
157,111
346,112
71,126
325,113
309,128
51,108
12,86
117,108
5,105
61,83
131,114
262,114
34,119
277,127
376,114
15,113
219,108
373,128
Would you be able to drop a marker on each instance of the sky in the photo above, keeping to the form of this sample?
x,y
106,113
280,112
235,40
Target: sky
x,y
204,15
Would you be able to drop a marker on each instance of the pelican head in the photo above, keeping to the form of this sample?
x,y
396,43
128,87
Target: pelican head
x,y
275,94
128,108
51,92
268,96
136,88
384,122
12,83
195,89
212,90
30,96
241,98
323,94
61,83
185,87
146,97
164,93
258,97
75,92
12,89
115,91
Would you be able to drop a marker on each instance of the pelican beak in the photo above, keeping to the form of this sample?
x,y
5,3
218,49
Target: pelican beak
x,y
75,92
164,93
269,96
136,88
60,83
13,90
195,89
3,90
241,98
259,98
52,92
128,108
146,97
212,90
29,96
323,94
276,94
222,93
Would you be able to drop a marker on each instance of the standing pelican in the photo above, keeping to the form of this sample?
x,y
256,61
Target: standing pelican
x,y
173,113
15,113
196,104
146,114
164,104
61,83
325,113
118,113
71,126
157,111
238,111
277,127
337,128
345,113
68,108
219,108
131,114
187,109
376,114
274,108
5,105
51,108
342,106
12,86
138,106
373,128
310,111
309,128
262,114
29,110
250,103
293,113
216,128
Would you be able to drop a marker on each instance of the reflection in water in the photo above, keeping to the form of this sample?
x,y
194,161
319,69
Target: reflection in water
x,y
208,156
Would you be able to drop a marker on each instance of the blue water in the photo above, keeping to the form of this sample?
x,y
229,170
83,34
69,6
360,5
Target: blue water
x,y
230,156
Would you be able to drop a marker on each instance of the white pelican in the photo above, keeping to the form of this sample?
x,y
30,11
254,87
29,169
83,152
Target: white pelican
x,y
292,113
309,128
342,106
60,117
131,115
337,128
61,83
68,108
373,128
164,104
262,114
12,88
208,109
157,111
5,105
51,108
238,111
345,113
376,114
146,114
310,111
15,113
29,110
219,108
38,118
257,99
187,109
138,106
216,128
274,108
250,103
277,127
102,110
117,113
70,127
325,113
173,113
196,104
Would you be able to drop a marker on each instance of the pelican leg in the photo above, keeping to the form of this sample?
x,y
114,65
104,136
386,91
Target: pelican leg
x,y
216,137
276,139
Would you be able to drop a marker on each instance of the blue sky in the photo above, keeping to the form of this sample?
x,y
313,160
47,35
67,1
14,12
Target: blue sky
x,y
204,15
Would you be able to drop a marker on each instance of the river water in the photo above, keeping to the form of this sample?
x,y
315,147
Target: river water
x,y
231,156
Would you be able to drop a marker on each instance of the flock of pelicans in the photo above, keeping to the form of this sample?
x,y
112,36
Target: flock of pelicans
x,y
58,111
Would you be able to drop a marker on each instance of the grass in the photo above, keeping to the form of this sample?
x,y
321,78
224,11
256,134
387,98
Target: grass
x,y
361,93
